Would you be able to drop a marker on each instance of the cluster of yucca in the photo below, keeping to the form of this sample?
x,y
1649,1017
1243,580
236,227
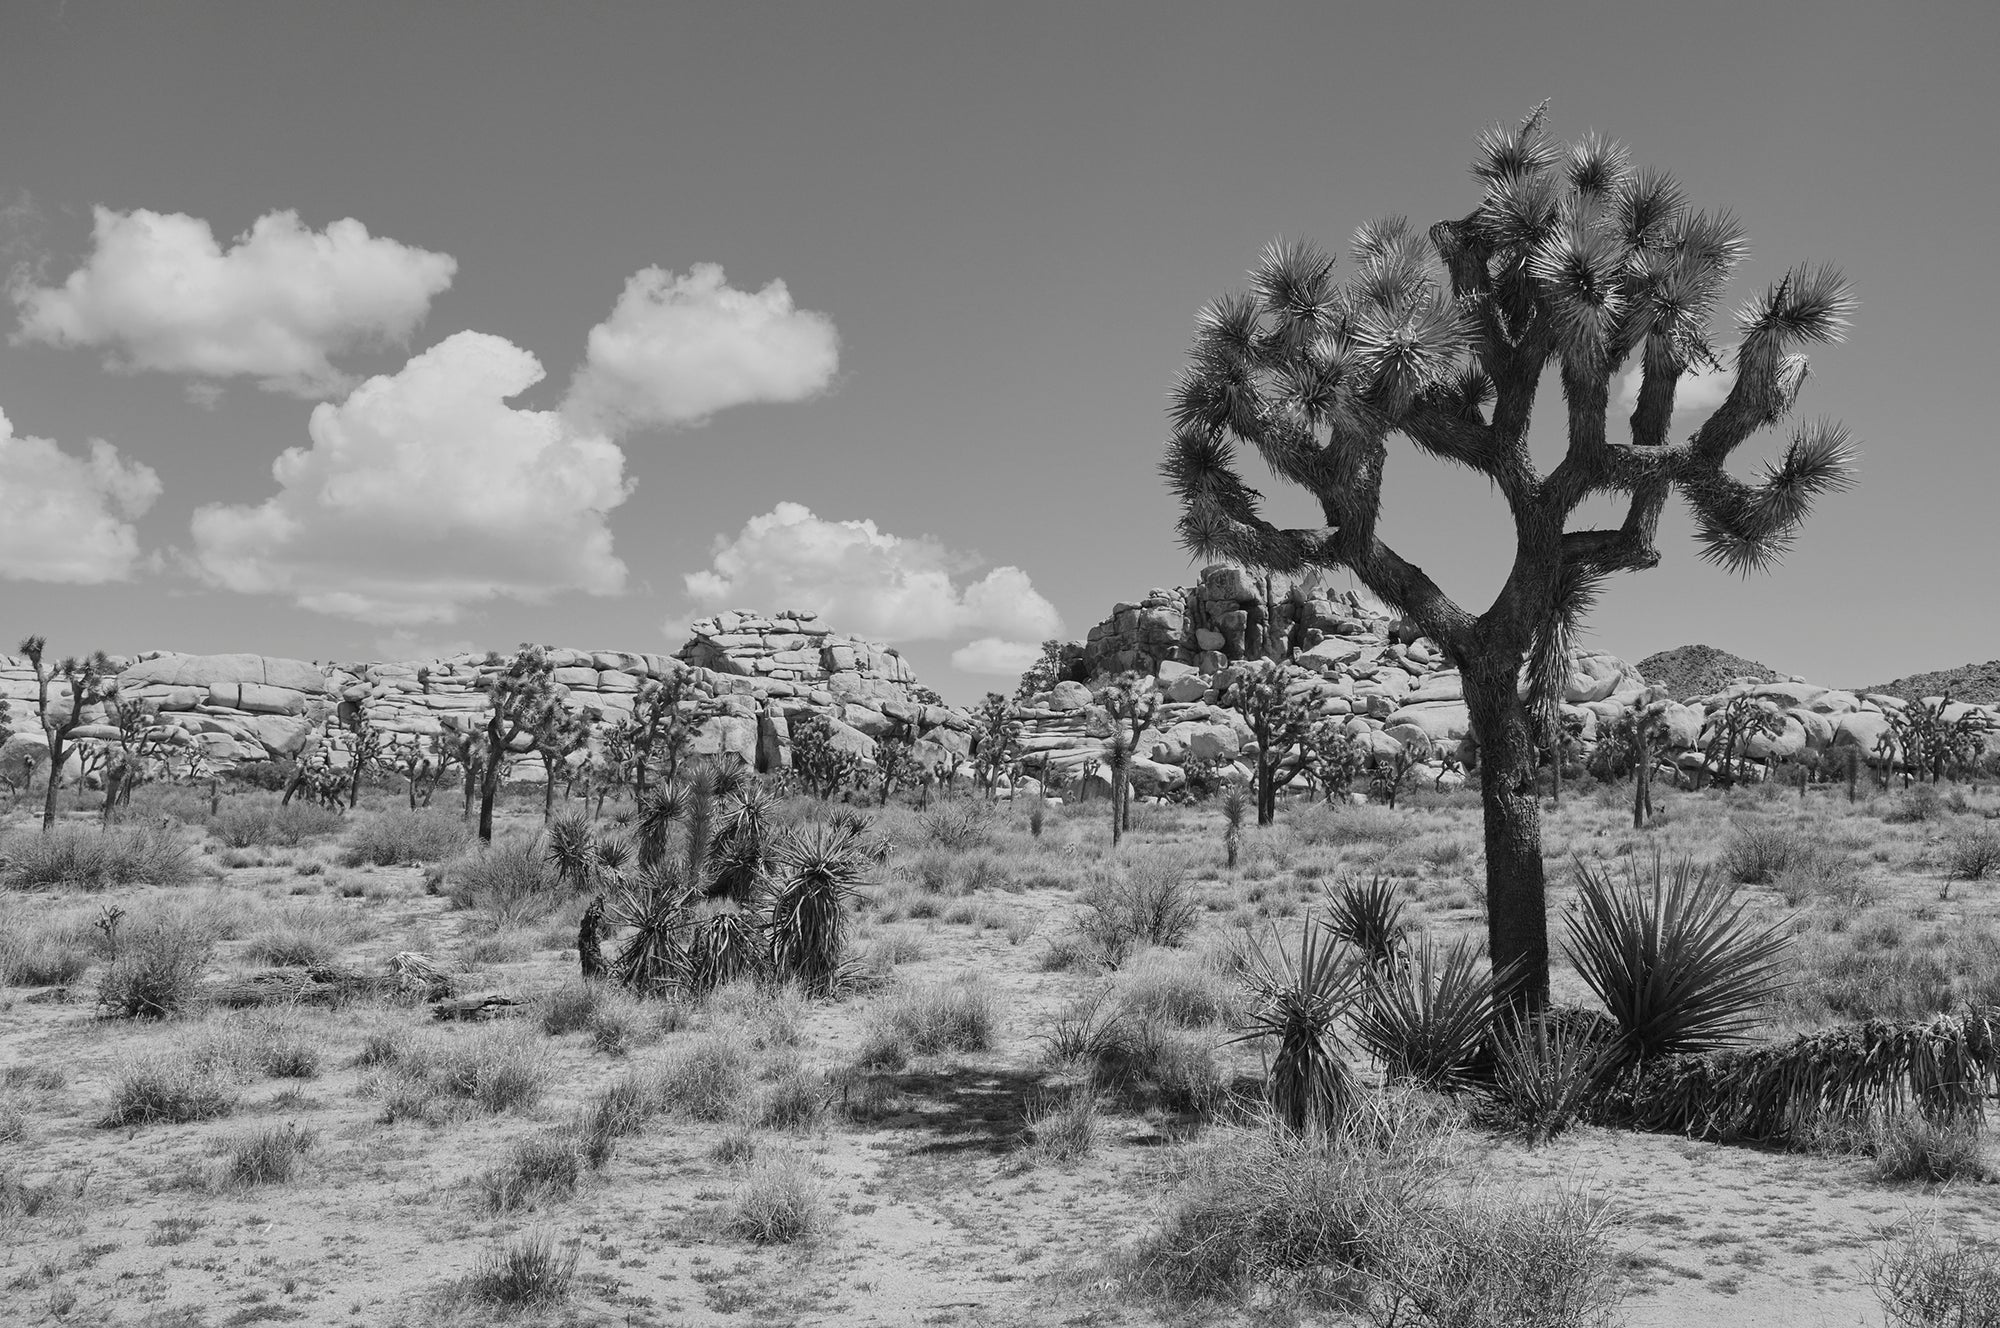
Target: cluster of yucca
x,y
1679,971
743,897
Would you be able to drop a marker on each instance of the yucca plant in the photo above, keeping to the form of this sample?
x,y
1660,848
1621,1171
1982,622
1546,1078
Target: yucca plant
x,y
1547,1071
1428,1019
722,947
1235,805
1368,917
1299,1004
1677,966
819,869
663,807
745,841
655,910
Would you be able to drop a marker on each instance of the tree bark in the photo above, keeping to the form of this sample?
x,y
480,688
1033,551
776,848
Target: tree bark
x,y
55,780
489,785
1517,931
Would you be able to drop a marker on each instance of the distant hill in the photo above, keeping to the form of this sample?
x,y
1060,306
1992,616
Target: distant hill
x,y
1687,671
1976,683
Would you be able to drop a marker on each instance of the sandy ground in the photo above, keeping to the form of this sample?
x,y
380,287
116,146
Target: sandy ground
x,y
938,1215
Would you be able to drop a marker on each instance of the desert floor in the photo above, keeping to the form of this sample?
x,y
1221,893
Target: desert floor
x,y
932,1202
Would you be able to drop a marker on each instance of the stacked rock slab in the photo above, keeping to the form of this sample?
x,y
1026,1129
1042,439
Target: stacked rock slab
x,y
745,679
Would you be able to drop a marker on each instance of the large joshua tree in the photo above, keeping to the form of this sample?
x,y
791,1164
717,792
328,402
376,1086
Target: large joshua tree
x,y
1572,260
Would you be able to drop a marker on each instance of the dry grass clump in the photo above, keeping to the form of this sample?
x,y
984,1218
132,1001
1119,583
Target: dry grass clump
x,y
927,1019
436,1077
155,970
1758,852
1065,1128
272,1156
1139,1057
260,822
170,1089
707,1080
80,857
537,1170
303,935
782,1200
1149,901
1881,971
616,1020
1325,825
52,952
1357,1220
508,881
795,1100
1180,989
1910,1146
956,825
59,1196
1973,855
403,839
621,1110
1928,1279
530,1271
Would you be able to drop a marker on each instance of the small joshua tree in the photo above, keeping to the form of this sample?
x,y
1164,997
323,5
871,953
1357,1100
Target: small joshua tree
x,y
1130,703
560,731
91,682
1278,721
523,693
660,730
1725,753
820,768
895,759
995,738
1573,262
1334,757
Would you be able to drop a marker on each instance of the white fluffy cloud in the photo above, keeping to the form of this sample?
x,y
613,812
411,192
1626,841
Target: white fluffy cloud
x,y
1699,391
678,349
874,584
424,492
990,654
158,292
64,518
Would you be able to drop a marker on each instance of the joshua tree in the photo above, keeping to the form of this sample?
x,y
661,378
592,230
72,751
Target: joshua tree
x,y
558,732
90,681
821,768
1571,260
524,696
1131,702
995,736
660,729
1279,722
895,759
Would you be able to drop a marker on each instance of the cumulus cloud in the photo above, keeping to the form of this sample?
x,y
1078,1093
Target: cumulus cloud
x,y
1700,390
424,492
65,518
158,292
678,349
990,654
865,581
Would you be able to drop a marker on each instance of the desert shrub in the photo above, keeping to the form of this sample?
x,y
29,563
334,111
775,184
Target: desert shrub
x,y
1064,1128
1758,852
1148,903
1328,826
1973,855
539,1169
492,1070
956,825
1536,1262
568,1008
1186,991
13,1121
509,880
795,1100
1912,1146
762,1016
1928,1279
780,1201
1876,973
21,1198
82,857
622,1109
926,1019
52,953
155,972
303,935
1824,875
284,1049
531,1270
1273,1206
270,1156
403,838
251,822
171,1090
1917,804
706,1080
502,947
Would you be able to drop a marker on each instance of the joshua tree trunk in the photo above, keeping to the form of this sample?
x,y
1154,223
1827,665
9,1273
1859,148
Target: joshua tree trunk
x,y
489,790
56,745
1517,931
1642,777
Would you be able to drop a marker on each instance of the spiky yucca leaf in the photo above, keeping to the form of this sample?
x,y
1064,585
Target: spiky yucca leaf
x,y
567,850
655,912
1546,1072
819,869
1428,1019
663,807
1368,917
722,947
1676,964
1299,1004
